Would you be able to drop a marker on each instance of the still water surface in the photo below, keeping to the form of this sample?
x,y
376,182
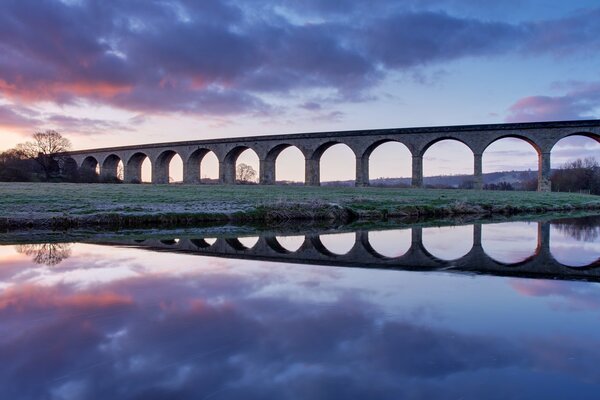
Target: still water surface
x,y
98,321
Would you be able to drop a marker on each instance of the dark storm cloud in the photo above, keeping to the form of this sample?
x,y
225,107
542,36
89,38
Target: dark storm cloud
x,y
221,57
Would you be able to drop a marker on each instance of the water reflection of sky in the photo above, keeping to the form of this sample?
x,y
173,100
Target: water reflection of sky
x,y
111,322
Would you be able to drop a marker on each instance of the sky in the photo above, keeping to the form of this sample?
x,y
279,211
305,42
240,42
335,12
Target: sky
x,y
107,73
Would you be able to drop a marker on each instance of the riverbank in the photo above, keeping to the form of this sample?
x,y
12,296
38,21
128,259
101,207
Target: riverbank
x,y
64,206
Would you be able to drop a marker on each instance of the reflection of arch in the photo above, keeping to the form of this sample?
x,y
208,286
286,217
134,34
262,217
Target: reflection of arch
x,y
193,166
200,243
236,244
133,169
332,238
274,245
512,239
290,249
443,244
375,248
572,233
169,242
110,167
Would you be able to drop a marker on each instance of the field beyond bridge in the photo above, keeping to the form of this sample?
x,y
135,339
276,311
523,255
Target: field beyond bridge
x,y
64,205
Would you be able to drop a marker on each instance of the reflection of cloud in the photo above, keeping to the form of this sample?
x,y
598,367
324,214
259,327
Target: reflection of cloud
x,y
570,296
49,254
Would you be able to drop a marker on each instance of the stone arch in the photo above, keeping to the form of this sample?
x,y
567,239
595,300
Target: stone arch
x,y
229,164
161,167
192,169
522,140
543,158
133,167
90,167
365,168
338,243
572,180
313,164
269,164
463,144
290,243
110,168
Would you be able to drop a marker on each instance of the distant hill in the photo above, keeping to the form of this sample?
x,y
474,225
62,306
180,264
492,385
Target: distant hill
x,y
516,178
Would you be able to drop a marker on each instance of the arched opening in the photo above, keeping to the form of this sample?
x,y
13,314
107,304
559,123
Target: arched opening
x,y
168,168
393,243
390,164
576,242
448,163
202,167
338,243
441,242
575,162
510,163
289,166
241,166
510,242
112,169
90,170
290,243
337,165
68,169
248,242
138,169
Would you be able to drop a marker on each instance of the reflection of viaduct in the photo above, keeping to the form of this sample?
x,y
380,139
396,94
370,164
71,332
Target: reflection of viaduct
x,y
541,264
542,136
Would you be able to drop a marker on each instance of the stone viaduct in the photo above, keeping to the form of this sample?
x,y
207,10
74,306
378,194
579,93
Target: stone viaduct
x,y
541,135
541,264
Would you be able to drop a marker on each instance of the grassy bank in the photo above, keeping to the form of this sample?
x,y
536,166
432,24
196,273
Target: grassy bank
x,y
40,205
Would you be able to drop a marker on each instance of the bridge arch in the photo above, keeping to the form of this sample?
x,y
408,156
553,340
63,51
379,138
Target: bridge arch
x,y
394,155
193,167
314,164
338,243
291,156
90,169
112,168
230,162
496,157
462,151
391,243
133,167
569,161
161,167
291,244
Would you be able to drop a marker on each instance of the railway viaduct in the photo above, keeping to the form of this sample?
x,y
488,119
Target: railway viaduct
x,y
541,135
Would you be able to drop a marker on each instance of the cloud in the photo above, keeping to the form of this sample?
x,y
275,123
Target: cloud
x,y
221,58
581,101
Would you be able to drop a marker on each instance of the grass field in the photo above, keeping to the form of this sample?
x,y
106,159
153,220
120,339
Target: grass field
x,y
41,203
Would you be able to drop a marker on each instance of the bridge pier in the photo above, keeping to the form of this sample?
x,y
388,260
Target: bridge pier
x,y
266,172
191,171
312,172
362,172
544,171
478,171
227,172
417,171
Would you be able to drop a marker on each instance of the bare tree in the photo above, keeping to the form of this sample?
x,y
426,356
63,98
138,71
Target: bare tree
x,y
245,173
49,254
44,148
